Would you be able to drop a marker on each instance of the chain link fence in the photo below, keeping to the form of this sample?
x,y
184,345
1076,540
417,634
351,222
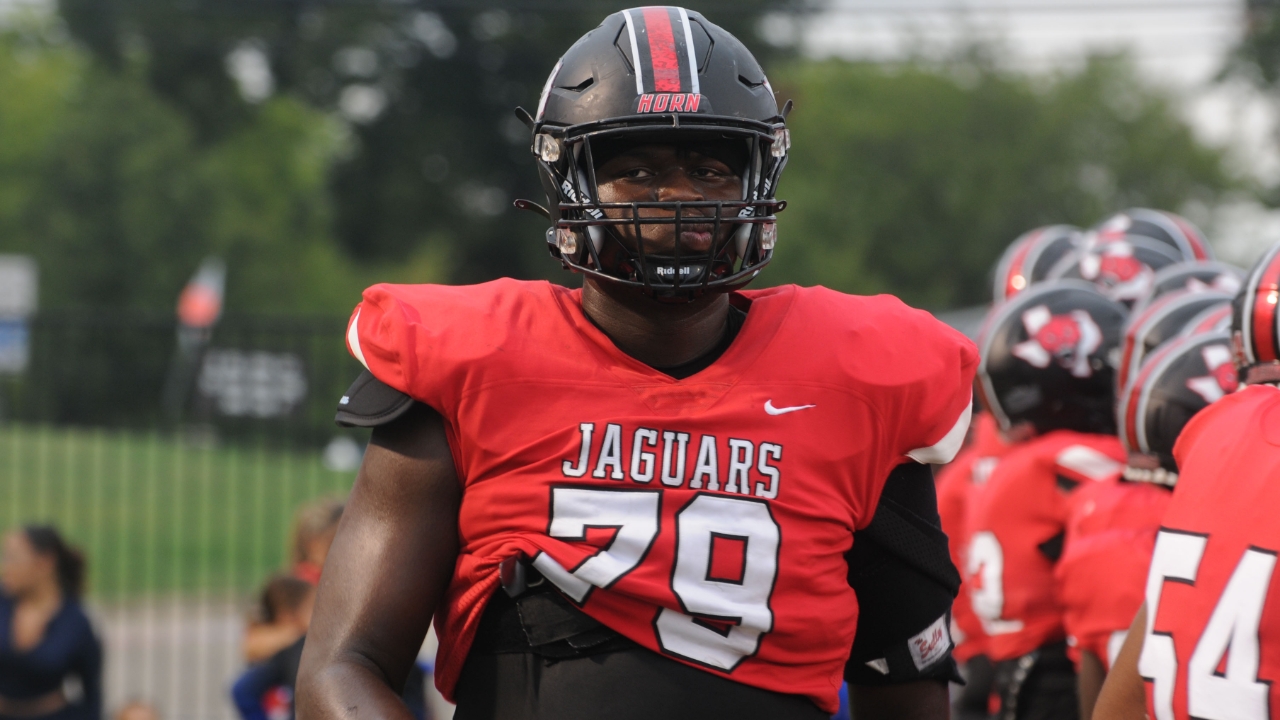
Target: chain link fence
x,y
176,464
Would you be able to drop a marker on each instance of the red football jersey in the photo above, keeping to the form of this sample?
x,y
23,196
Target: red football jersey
x,y
957,482
704,518
1212,643
1024,506
1111,531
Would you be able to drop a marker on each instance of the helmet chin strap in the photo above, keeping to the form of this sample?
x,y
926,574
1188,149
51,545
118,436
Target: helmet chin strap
x,y
1268,374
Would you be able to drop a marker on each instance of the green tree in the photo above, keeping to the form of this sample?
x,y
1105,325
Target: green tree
x,y
108,186
912,179
436,155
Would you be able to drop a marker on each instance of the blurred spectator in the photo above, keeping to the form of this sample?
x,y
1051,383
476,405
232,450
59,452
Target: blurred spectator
x,y
50,659
314,526
265,691
137,710
283,614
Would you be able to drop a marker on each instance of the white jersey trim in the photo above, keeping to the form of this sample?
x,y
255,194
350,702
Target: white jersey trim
x,y
944,451
1088,462
353,340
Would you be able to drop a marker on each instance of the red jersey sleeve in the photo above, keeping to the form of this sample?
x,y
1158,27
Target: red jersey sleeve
x,y
423,340
921,370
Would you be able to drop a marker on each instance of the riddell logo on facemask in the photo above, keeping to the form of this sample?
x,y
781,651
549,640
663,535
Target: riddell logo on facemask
x,y
669,102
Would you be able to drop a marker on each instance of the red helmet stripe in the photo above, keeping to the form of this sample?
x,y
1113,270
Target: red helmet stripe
x,y
1016,266
662,49
1264,313
1193,237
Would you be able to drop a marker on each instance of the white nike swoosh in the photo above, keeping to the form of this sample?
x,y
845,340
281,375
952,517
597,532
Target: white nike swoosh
x,y
769,408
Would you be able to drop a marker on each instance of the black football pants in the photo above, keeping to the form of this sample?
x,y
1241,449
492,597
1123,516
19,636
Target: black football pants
x,y
629,684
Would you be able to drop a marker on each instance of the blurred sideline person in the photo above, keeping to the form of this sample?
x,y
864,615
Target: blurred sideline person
x,y
1112,527
137,710
50,658
314,526
636,500
1206,642
266,690
1047,378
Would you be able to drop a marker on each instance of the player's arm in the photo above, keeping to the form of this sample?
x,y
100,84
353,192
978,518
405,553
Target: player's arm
x,y
1123,695
389,566
900,567
1089,682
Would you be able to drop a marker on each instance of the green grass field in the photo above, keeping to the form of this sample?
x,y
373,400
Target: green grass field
x,y
156,514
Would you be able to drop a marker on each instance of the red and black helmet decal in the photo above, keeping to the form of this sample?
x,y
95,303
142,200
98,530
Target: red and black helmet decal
x,y
659,44
1260,335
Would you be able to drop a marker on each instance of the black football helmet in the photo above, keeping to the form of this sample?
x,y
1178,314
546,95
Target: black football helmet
x,y
1030,258
1255,324
1193,275
1048,358
1214,319
1119,269
659,75
1178,381
1157,230
1161,322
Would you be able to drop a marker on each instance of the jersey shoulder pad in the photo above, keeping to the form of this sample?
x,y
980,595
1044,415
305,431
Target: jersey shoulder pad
x,y
916,368
421,339
1234,414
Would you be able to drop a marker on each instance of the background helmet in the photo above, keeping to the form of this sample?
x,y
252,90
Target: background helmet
x,y
1030,258
1161,322
1195,275
1121,270
1255,324
1158,230
1215,319
659,74
1048,358
1178,381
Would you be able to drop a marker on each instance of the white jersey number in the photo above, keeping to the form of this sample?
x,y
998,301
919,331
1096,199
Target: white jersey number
x,y
723,618
985,562
1231,633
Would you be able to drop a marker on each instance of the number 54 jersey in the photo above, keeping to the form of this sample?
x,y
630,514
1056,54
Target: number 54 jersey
x,y
706,518
1212,643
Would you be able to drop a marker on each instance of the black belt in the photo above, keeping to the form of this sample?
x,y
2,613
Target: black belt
x,y
531,616
1049,661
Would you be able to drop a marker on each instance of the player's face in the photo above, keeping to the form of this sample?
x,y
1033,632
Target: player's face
x,y
669,173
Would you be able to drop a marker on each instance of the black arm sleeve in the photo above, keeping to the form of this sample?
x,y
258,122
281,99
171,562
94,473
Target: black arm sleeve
x,y
369,402
901,570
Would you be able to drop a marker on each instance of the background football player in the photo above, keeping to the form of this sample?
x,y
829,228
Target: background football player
x,y
1112,526
1206,642
655,496
1047,377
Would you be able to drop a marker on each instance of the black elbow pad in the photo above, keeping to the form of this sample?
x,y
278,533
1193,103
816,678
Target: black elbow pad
x,y
900,568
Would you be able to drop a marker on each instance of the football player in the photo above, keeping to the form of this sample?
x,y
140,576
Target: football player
x,y
1024,263
1112,526
1206,643
659,495
1123,254
957,484
1047,377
